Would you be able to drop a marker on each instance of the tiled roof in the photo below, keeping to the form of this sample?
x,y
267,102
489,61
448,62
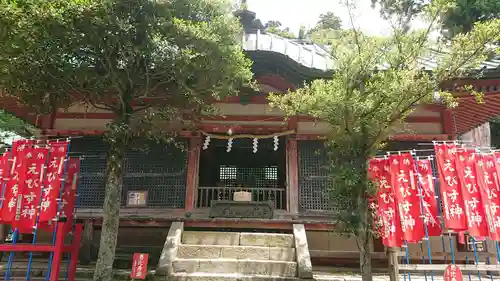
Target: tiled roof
x,y
317,57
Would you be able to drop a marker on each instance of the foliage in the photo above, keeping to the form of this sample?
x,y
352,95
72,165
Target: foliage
x,y
327,30
148,62
495,132
329,21
459,18
274,27
467,12
11,126
376,83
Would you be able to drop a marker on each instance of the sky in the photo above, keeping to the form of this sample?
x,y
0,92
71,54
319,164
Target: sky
x,y
293,13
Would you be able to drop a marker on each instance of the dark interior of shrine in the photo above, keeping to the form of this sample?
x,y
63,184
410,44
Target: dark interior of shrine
x,y
262,173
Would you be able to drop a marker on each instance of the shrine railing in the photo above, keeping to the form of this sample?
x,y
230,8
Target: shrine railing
x,y
277,196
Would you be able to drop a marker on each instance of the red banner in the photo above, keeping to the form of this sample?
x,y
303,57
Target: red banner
x,y
67,205
451,191
453,273
406,194
52,182
69,195
388,211
33,168
489,188
429,202
474,209
374,175
13,188
139,266
4,173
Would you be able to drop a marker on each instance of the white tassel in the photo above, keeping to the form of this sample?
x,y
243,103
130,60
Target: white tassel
x,y
255,145
276,143
229,145
206,143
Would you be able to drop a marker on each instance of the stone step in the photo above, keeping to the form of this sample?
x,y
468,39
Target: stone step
x,y
237,238
236,252
226,277
244,267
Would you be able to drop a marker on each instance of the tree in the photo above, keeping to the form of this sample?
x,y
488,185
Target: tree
x,y
466,13
274,27
146,61
365,102
327,30
12,126
329,21
458,18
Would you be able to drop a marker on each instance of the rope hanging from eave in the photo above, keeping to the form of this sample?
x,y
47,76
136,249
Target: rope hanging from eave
x,y
248,136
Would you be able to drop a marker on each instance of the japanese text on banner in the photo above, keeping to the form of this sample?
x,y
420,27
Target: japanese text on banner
x,y
406,193
490,192
474,209
69,193
374,173
139,266
4,172
429,202
388,212
451,191
13,186
29,199
52,182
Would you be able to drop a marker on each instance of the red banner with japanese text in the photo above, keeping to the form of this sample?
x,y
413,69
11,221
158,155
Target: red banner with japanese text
x,y
451,191
388,211
429,202
139,266
52,182
13,188
490,192
4,172
70,188
407,196
374,175
474,209
28,201
67,203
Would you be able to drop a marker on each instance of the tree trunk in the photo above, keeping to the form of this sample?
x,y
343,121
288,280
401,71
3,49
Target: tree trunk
x,y
365,256
112,200
392,256
364,238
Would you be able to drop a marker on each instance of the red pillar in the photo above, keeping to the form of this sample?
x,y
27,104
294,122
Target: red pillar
x,y
58,251
293,176
75,248
192,171
448,124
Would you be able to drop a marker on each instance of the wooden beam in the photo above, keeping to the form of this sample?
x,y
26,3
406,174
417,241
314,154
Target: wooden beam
x,y
192,172
234,118
447,123
238,129
400,137
442,267
293,176
68,133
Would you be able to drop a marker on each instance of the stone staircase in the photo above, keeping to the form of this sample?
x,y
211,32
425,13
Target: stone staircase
x,y
238,256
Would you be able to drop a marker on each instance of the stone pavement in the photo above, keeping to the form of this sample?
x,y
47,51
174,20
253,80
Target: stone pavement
x,y
320,273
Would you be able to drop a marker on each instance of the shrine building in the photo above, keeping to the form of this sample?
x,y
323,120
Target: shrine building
x,y
284,167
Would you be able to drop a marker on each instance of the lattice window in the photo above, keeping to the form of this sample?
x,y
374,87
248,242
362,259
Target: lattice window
x,y
161,170
271,173
313,177
228,172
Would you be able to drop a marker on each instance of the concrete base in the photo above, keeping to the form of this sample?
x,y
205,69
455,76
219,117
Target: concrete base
x,y
210,255
225,277
234,266
236,252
